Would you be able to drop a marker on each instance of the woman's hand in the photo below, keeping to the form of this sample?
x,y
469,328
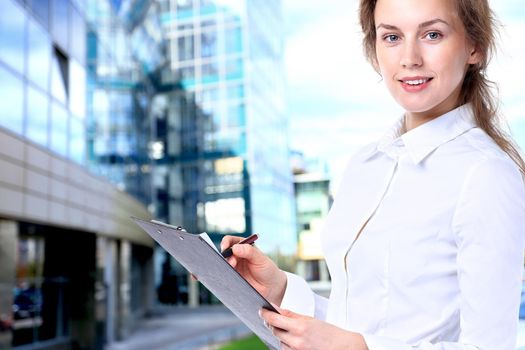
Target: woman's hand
x,y
299,332
259,270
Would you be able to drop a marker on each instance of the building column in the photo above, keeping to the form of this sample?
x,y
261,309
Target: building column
x,y
8,239
193,292
323,271
149,286
300,268
124,297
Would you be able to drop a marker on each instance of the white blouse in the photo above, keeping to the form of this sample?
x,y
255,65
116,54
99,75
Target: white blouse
x,y
439,259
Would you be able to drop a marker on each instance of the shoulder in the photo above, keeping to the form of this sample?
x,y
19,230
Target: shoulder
x,y
364,152
488,159
492,178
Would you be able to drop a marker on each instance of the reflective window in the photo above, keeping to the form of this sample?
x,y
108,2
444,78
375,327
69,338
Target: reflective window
x,y
184,9
59,76
12,21
236,115
225,215
78,36
12,101
187,75
39,55
185,48
81,4
60,24
233,40
77,92
207,7
59,129
41,10
37,116
234,69
209,44
235,92
210,72
77,140
28,300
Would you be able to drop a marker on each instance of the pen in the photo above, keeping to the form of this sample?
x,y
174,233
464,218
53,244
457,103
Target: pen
x,y
249,240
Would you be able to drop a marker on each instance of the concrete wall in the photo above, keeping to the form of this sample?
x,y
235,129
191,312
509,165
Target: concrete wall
x,y
40,187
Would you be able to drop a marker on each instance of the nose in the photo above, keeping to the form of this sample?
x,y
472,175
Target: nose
x,y
411,56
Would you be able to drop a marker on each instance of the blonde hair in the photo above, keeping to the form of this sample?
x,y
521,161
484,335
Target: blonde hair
x,y
480,27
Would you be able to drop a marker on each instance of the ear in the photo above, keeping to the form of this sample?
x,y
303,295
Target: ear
x,y
474,57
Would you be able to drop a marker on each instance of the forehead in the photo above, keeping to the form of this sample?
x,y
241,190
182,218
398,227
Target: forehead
x,y
413,12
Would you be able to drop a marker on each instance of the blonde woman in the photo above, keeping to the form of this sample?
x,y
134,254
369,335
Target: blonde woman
x,y
426,236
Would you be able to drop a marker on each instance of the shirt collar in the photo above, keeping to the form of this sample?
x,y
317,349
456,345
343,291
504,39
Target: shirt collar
x,y
423,140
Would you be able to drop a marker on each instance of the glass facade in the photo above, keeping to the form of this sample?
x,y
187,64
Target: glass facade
x,y
233,159
37,81
179,103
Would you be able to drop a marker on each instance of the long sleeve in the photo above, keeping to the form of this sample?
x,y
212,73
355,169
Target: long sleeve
x,y
300,298
489,226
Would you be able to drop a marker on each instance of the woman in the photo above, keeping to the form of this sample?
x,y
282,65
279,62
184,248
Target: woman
x,y
426,236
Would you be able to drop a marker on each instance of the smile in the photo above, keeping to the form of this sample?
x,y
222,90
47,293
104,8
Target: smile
x,y
415,84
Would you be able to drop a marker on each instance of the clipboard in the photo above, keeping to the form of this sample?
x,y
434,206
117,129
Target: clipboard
x,y
202,260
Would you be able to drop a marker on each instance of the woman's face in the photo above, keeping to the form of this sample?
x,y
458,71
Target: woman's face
x,y
422,54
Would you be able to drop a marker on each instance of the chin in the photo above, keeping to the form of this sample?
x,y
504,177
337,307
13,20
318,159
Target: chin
x,y
416,107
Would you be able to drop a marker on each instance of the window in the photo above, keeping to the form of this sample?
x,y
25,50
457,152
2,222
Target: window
x,y
41,10
27,305
185,46
209,43
60,24
59,129
77,141
210,72
234,69
12,21
233,40
39,55
78,37
77,86
37,116
225,215
11,100
59,76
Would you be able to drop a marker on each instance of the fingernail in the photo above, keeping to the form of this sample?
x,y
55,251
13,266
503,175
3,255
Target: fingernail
x,y
260,313
266,324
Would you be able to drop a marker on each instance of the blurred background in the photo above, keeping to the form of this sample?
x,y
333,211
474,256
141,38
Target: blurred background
x,y
223,116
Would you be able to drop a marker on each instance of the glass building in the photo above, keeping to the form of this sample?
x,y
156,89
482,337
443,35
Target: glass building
x,y
229,171
102,118
76,273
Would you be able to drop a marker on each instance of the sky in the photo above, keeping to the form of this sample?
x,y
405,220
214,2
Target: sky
x,y
337,102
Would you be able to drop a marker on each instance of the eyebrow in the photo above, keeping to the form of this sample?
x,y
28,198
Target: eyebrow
x,y
420,26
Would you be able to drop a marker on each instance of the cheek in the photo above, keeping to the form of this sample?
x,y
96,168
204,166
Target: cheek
x,y
451,63
386,69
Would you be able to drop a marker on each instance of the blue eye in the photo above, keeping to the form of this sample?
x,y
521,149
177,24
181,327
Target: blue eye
x,y
433,35
391,38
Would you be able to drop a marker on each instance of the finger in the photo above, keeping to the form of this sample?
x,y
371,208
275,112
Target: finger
x,y
232,260
286,338
250,253
285,312
284,322
228,241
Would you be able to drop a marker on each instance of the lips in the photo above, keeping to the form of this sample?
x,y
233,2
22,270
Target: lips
x,y
415,84
415,80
